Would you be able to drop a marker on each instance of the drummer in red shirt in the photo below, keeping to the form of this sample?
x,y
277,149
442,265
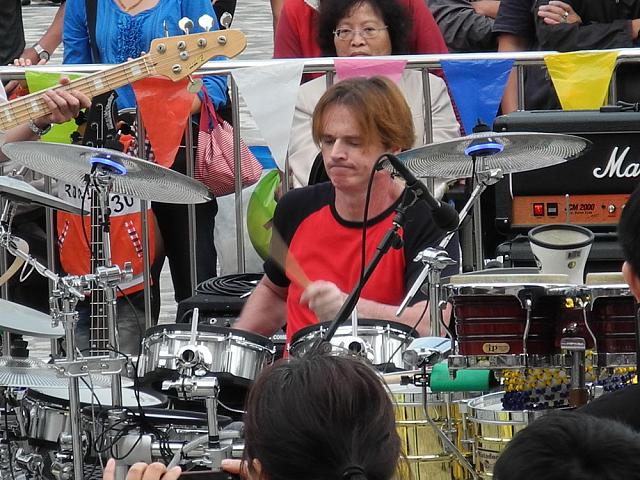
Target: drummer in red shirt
x,y
354,123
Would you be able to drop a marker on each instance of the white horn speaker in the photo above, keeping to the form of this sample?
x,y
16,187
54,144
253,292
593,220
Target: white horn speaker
x,y
561,249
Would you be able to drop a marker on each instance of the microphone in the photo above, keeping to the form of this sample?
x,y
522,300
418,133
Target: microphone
x,y
444,215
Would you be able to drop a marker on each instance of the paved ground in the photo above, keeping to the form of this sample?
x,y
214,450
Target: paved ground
x,y
253,17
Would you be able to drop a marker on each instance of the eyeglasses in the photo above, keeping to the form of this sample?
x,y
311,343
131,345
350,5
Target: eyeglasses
x,y
349,33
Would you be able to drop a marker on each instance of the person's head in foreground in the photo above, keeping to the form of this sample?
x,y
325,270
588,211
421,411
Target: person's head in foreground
x,y
629,238
349,28
320,417
571,446
355,122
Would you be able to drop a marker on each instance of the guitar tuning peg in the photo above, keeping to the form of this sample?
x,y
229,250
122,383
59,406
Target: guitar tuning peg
x,y
185,24
225,19
206,22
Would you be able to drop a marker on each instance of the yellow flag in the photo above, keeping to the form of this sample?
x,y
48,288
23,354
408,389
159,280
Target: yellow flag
x,y
581,79
41,81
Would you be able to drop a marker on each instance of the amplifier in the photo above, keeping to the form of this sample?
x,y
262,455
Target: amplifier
x,y
590,190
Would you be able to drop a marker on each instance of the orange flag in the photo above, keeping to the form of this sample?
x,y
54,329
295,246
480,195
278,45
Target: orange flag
x,y
165,107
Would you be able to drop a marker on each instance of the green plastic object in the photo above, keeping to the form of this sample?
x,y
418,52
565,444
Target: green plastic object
x,y
465,380
260,210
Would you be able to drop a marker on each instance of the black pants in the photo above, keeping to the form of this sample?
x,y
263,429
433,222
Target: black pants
x,y
173,222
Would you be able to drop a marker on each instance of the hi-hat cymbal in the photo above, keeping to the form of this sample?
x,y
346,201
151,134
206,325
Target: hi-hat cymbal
x,y
138,178
29,373
21,191
17,318
521,151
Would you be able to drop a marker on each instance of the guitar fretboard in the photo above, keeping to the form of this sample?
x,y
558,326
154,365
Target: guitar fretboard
x,y
99,327
33,106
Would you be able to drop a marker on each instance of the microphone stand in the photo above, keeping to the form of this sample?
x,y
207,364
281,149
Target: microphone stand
x,y
391,239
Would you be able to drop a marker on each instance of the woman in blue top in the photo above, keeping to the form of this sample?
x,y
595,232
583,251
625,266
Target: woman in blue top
x,y
125,29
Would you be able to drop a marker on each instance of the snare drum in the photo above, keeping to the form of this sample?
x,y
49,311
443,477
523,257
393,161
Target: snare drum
x,y
230,352
47,409
420,443
493,427
490,313
380,341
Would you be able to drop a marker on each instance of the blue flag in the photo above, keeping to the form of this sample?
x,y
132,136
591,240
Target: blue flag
x,y
477,87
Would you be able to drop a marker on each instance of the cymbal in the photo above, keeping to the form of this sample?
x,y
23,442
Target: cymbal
x,y
135,177
521,151
30,373
20,191
17,318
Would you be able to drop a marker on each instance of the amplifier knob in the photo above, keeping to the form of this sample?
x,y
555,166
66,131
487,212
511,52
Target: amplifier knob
x,y
611,208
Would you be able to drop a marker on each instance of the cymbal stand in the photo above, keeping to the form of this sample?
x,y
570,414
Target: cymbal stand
x,y
436,259
194,361
66,294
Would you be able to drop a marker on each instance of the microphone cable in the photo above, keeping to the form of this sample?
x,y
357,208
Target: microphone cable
x,y
235,285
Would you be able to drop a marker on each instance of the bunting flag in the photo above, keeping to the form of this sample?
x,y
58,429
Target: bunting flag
x,y
165,107
270,93
581,79
36,81
477,87
365,67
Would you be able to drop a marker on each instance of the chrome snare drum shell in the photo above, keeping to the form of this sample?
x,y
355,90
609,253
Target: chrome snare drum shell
x,y
493,427
232,352
47,409
379,341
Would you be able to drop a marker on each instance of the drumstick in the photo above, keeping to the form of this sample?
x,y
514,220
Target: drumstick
x,y
279,252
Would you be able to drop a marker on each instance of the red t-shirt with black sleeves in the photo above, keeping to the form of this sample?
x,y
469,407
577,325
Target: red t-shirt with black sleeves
x,y
328,247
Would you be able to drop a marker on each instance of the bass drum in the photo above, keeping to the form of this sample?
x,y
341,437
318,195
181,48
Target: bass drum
x,y
381,342
47,409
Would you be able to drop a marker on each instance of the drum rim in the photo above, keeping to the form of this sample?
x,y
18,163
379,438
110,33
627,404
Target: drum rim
x,y
35,395
186,328
365,322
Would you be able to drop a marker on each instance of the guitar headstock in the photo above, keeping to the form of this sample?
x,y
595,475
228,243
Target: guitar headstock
x,y
177,57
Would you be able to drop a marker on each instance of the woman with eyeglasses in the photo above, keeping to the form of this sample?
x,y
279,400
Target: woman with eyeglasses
x,y
366,28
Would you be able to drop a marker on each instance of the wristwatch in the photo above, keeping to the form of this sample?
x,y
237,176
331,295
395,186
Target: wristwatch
x,y
42,53
37,130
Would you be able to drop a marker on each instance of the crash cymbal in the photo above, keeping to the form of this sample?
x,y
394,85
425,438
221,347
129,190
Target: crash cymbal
x,y
519,152
30,373
20,191
132,176
17,318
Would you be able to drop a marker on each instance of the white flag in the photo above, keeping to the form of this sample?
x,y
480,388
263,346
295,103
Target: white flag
x,y
270,93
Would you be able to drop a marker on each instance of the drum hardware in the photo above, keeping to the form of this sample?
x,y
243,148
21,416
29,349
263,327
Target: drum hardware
x,y
578,394
437,259
33,463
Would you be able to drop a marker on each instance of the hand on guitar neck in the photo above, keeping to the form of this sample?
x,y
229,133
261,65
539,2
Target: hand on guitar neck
x,y
62,106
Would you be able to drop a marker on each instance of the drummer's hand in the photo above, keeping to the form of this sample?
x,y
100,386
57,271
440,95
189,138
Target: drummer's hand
x,y
64,105
234,466
143,471
324,299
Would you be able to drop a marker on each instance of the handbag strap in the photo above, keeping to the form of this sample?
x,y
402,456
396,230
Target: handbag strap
x,y
208,115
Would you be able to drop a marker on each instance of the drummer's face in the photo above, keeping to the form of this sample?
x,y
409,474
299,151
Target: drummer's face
x,y
347,159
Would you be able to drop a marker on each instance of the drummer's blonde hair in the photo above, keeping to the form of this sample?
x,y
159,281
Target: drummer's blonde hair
x,y
379,107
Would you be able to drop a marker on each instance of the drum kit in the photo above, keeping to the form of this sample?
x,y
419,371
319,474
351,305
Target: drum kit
x,y
540,335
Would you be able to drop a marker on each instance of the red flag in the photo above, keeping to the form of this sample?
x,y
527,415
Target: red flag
x,y
165,107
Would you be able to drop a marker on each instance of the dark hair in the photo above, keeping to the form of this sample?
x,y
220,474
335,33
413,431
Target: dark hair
x,y
629,231
321,417
571,446
378,106
394,15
